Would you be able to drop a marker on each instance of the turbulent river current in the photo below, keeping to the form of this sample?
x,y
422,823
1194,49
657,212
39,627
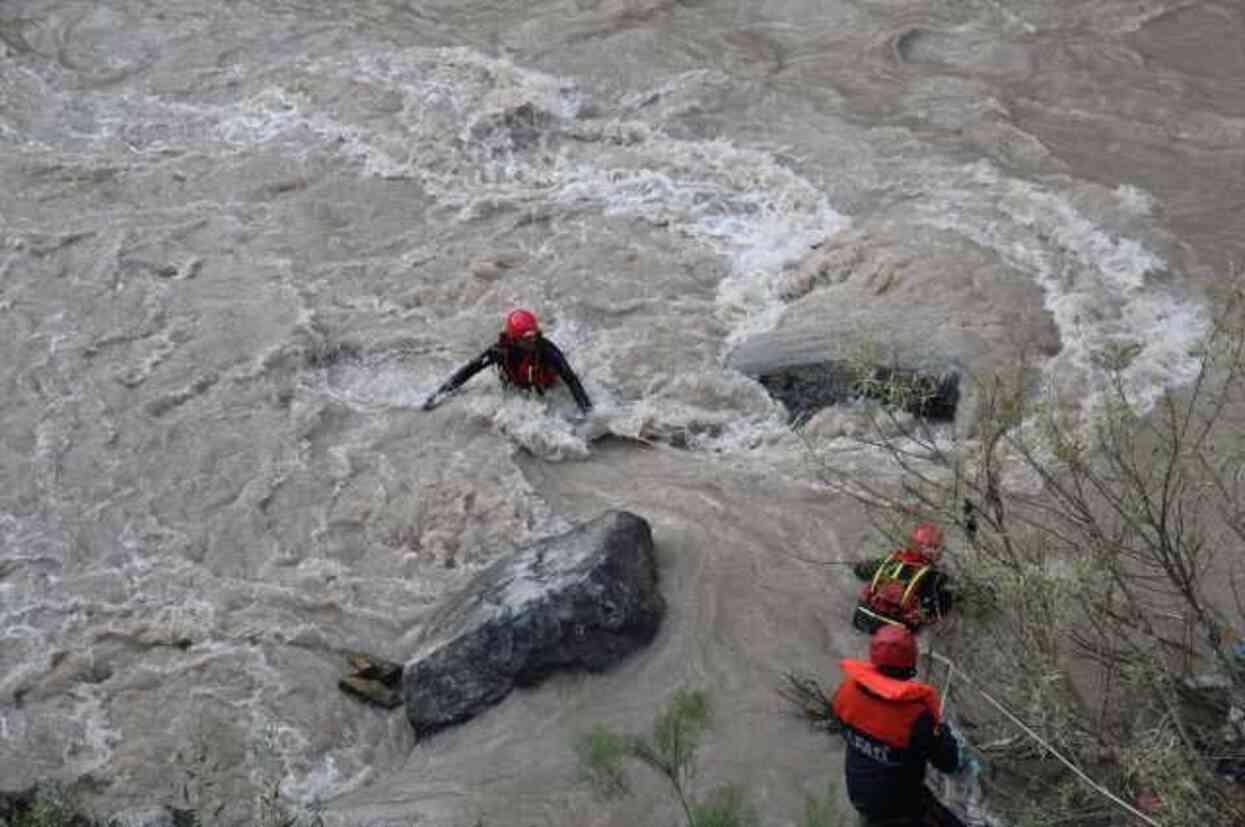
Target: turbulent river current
x,y
241,241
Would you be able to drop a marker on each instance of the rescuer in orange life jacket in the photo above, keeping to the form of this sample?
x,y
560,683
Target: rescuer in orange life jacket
x,y
893,727
524,358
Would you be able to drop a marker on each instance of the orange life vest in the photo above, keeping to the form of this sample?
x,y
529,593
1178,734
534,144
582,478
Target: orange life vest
x,y
883,708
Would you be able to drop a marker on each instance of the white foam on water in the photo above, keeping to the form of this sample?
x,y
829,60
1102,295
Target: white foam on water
x,y
262,118
511,125
99,735
738,202
323,782
711,409
453,90
1099,288
464,80
38,552
383,382
90,746
17,630
530,423
856,441
1135,200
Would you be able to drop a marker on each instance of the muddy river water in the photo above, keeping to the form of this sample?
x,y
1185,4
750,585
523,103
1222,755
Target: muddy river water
x,y
241,241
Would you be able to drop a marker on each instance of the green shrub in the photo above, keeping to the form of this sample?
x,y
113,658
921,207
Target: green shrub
x,y
670,751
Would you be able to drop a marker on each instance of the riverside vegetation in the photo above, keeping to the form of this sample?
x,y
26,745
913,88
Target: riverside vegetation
x,y
1098,580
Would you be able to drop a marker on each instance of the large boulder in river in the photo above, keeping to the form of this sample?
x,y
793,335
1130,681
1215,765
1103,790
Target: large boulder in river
x,y
808,367
579,600
926,312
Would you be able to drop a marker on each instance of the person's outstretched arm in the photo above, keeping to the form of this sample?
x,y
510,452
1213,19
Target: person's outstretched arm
x,y
563,367
460,376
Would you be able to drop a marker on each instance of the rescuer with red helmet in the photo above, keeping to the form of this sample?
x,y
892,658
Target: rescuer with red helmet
x,y
524,359
906,588
893,728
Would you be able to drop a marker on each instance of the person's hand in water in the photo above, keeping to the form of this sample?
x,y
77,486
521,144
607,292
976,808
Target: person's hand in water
x,y
584,425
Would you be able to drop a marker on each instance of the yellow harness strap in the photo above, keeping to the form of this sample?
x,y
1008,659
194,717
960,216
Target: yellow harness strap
x,y
892,569
916,581
895,568
880,618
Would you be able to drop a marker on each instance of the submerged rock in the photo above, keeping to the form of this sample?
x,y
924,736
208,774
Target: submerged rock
x,y
580,600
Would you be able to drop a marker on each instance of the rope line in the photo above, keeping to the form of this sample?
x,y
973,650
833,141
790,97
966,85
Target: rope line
x,y
951,667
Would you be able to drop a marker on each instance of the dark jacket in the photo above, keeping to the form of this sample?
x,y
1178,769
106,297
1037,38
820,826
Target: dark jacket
x,y
532,370
892,729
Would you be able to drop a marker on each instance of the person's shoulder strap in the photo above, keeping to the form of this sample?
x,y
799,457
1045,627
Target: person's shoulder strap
x,y
888,569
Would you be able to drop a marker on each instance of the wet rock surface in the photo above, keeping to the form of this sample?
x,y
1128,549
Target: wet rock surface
x,y
808,368
580,600
913,320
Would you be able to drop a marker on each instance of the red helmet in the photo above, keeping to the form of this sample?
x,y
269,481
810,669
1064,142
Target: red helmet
x,y
893,646
927,540
521,324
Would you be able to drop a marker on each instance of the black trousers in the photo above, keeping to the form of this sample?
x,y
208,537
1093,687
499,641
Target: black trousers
x,y
933,813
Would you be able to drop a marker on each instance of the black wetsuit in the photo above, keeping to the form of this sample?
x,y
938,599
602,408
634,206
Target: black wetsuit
x,y
531,370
